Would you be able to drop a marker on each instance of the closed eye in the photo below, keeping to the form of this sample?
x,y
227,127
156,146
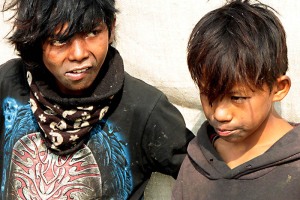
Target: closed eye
x,y
93,33
96,31
239,99
58,43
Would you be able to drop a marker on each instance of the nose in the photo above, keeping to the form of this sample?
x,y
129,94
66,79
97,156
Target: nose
x,y
78,49
222,111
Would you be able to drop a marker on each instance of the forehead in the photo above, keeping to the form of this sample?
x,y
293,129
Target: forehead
x,y
243,88
60,28
64,29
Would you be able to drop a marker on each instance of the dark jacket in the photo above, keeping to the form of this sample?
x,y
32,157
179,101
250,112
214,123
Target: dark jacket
x,y
142,133
272,175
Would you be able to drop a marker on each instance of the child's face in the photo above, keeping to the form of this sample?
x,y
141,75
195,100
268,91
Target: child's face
x,y
240,113
75,63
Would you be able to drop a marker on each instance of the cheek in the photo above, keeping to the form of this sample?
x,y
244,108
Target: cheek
x,y
98,45
257,114
48,56
100,52
207,109
52,59
50,64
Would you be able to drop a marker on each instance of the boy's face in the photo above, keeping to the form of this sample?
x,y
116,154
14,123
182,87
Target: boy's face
x,y
240,113
75,63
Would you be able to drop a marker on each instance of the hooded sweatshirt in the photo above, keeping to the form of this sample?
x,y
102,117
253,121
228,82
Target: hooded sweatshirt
x,y
142,132
272,175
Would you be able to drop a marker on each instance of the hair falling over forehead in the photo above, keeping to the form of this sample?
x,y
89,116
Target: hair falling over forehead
x,y
36,20
239,43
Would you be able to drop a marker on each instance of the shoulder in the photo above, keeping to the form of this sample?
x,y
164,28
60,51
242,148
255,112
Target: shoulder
x,y
139,90
150,103
15,62
13,79
133,82
11,67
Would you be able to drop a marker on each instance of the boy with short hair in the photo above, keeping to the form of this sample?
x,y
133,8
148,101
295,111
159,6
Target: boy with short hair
x,y
237,55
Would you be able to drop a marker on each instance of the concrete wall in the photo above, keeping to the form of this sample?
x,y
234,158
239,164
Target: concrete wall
x,y
152,37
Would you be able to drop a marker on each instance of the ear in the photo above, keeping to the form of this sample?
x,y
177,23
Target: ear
x,y
112,34
281,88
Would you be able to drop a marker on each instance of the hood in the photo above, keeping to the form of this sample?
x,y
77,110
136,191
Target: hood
x,y
204,155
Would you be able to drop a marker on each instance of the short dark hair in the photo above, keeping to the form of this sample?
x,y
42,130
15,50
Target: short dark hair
x,y
237,43
36,20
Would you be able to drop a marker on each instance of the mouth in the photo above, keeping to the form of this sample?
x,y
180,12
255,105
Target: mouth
x,y
78,71
224,132
77,74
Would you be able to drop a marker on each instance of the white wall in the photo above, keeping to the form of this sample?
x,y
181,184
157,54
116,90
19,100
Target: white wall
x,y
6,50
152,37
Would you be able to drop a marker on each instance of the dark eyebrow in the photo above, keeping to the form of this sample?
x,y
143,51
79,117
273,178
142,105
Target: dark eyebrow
x,y
60,36
240,90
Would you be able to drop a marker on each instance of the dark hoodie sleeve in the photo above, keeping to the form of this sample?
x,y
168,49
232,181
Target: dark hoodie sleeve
x,y
166,138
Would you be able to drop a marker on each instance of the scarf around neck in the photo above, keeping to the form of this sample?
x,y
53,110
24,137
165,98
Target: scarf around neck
x,y
67,121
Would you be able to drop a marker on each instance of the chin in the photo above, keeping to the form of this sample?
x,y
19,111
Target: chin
x,y
233,138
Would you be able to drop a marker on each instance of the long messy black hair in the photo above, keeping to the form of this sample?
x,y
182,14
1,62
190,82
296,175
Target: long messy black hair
x,y
36,20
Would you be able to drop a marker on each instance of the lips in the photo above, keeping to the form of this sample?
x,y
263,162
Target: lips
x,y
77,74
79,71
224,132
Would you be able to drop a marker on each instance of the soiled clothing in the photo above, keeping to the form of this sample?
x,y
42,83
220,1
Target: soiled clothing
x,y
272,175
141,132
